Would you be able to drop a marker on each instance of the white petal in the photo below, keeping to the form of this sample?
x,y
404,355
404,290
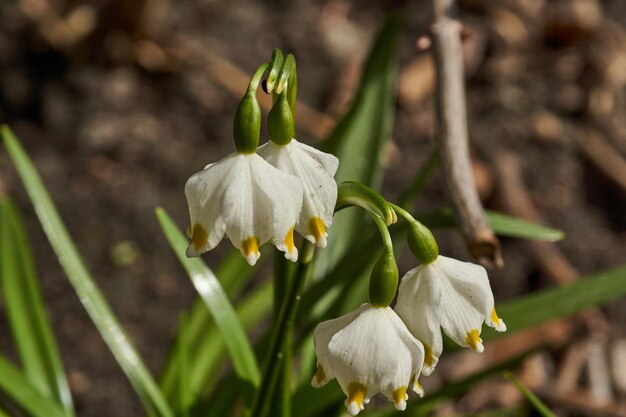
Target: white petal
x,y
284,194
323,334
472,281
204,191
328,161
369,351
320,189
418,306
261,204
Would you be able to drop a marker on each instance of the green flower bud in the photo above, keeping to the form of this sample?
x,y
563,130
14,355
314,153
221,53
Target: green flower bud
x,y
247,126
422,242
280,121
384,280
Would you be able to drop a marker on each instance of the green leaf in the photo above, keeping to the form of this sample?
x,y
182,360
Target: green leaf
x,y
206,351
86,289
216,300
15,386
541,307
31,329
184,393
530,396
360,136
502,225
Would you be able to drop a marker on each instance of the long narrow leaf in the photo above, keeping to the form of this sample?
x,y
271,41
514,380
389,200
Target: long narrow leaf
x,y
24,395
205,351
26,312
360,136
538,308
530,396
502,225
88,293
217,302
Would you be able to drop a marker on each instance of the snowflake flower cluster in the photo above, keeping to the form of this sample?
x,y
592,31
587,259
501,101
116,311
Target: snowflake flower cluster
x,y
256,195
376,349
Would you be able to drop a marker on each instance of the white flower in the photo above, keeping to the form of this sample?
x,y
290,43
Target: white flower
x,y
448,294
316,170
368,350
249,200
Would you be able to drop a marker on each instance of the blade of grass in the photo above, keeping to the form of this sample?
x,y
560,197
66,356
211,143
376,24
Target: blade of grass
x,y
530,396
501,224
86,289
31,328
183,360
206,351
541,307
24,395
217,302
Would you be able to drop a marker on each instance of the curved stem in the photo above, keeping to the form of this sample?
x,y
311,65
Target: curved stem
x,y
384,232
256,78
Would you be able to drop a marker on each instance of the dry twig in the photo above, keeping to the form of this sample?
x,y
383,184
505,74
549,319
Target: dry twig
x,y
452,136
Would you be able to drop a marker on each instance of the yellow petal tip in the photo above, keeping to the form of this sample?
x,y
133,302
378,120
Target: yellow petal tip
x,y
474,341
317,229
356,397
250,249
199,237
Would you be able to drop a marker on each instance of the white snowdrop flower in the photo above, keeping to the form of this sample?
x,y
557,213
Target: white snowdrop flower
x,y
369,350
247,199
316,170
448,294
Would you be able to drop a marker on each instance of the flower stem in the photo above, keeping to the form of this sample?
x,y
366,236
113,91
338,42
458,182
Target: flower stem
x,y
283,274
283,324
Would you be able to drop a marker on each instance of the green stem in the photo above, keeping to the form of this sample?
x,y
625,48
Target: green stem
x,y
285,319
283,272
256,78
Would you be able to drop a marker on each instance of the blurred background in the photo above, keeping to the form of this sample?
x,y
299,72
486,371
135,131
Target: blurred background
x,y
119,102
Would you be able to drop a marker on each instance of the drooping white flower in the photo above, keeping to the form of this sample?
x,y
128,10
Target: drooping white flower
x,y
448,294
247,199
316,170
368,350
